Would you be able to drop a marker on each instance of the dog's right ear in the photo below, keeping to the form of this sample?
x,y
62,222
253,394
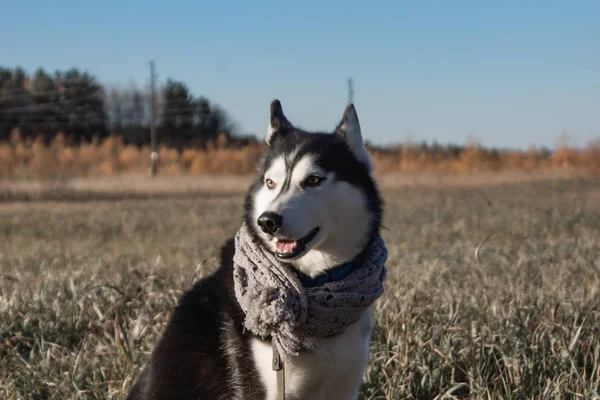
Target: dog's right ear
x,y
278,123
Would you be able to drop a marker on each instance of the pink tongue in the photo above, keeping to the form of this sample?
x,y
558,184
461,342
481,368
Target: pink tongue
x,y
285,246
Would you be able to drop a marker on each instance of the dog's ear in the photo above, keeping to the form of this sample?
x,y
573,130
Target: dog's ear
x,y
278,123
349,130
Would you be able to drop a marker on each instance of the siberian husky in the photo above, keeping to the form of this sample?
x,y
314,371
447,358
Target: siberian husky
x,y
315,205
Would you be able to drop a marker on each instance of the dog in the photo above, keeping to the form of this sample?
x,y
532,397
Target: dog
x,y
314,205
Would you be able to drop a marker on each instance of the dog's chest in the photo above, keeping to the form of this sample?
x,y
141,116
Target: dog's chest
x,y
335,372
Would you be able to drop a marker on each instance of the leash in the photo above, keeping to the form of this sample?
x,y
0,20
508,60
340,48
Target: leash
x,y
333,275
278,366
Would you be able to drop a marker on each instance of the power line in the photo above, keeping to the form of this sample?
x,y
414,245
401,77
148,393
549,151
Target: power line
x,y
111,114
33,106
31,123
108,107
32,93
29,92
56,83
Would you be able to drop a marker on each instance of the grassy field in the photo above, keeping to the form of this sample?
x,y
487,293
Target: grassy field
x,y
32,158
87,286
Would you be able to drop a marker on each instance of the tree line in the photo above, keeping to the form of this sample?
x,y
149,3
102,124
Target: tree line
x,y
75,103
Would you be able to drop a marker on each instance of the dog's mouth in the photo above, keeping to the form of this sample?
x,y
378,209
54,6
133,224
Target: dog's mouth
x,y
286,248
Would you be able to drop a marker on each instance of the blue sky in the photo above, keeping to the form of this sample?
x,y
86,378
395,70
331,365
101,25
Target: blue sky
x,y
509,74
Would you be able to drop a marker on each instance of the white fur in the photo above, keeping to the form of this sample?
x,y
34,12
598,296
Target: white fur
x,y
265,196
333,373
270,132
335,370
344,227
352,134
337,207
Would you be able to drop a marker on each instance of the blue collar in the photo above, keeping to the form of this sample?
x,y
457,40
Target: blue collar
x,y
335,274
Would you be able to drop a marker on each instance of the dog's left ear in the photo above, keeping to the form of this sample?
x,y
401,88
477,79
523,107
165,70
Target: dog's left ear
x,y
278,123
349,130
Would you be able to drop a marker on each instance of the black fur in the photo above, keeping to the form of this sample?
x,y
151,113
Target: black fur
x,y
203,347
204,352
331,153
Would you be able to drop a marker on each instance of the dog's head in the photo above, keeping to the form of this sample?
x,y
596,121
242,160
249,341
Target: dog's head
x,y
314,203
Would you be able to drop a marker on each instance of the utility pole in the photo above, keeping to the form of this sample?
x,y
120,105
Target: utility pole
x,y
154,155
350,90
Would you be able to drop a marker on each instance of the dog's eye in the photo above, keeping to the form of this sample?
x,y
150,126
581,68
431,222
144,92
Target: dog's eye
x,y
270,183
314,180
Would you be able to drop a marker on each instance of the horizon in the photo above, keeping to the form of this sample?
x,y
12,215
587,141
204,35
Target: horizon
x,y
561,140
511,76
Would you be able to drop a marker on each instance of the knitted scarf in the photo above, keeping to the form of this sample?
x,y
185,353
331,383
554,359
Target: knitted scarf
x,y
276,303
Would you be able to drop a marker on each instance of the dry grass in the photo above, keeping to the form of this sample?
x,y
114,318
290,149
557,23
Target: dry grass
x,y
86,287
146,187
32,159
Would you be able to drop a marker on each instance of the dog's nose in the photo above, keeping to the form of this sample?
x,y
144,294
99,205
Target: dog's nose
x,y
270,222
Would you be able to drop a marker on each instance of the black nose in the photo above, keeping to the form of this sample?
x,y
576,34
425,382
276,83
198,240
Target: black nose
x,y
270,222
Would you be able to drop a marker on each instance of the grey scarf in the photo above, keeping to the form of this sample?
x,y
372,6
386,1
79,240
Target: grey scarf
x,y
276,303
